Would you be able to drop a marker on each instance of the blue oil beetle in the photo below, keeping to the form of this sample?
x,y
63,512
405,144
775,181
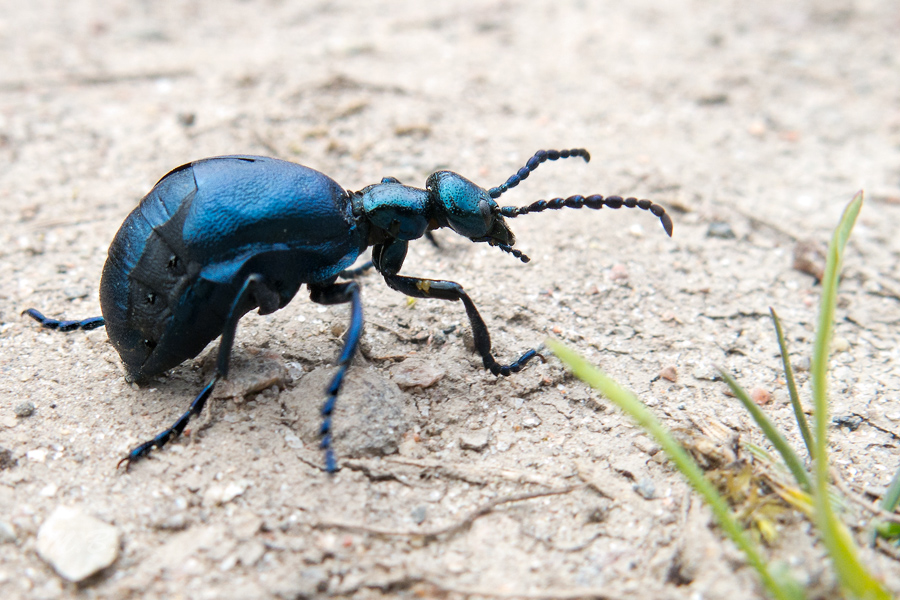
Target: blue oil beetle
x,y
219,237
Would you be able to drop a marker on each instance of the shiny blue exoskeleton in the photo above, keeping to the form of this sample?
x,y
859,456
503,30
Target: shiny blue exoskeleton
x,y
220,237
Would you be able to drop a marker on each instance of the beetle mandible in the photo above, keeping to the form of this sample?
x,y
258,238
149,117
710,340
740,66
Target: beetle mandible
x,y
219,237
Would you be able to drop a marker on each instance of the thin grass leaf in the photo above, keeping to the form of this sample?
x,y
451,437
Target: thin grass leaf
x,y
892,495
787,453
854,577
779,583
888,529
792,386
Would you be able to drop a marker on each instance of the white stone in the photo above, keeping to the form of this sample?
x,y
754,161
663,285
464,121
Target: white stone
x,y
76,544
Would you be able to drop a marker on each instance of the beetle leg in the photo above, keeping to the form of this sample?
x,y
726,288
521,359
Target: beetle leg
x,y
48,323
429,235
354,273
254,286
450,290
338,293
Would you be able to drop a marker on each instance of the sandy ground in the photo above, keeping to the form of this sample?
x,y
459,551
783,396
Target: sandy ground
x,y
753,125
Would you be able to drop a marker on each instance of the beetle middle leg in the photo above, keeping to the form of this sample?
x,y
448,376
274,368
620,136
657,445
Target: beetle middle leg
x,y
338,293
450,290
266,298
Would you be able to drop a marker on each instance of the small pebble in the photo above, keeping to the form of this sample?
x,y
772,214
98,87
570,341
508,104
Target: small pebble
x,y
475,440
840,344
25,409
706,372
223,494
618,272
76,544
645,445
721,230
293,441
530,420
669,374
37,455
645,489
7,533
801,365
416,373
418,514
760,396
757,128
177,522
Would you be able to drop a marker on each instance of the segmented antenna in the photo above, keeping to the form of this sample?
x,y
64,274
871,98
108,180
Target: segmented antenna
x,y
532,164
595,202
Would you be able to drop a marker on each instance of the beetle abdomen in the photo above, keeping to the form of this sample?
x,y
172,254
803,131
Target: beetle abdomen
x,y
181,256
146,271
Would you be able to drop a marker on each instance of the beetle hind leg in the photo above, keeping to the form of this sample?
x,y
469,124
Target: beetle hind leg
x,y
254,287
338,293
48,323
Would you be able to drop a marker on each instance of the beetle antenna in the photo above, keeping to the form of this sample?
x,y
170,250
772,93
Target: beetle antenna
x,y
595,202
532,164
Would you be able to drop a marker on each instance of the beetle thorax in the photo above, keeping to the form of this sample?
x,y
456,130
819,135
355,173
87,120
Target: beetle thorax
x,y
400,211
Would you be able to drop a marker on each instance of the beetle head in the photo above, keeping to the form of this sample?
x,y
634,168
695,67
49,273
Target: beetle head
x,y
467,209
471,211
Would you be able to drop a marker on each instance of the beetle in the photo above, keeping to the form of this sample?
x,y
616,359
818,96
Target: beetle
x,y
219,237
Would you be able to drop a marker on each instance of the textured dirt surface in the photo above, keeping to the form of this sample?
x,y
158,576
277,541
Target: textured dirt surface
x,y
754,126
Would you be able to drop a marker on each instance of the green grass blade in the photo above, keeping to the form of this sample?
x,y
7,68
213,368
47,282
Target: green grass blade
x,y
892,495
790,457
854,577
887,529
792,386
779,585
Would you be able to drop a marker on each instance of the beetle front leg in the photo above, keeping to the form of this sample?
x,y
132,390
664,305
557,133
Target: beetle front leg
x,y
254,287
450,290
338,293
